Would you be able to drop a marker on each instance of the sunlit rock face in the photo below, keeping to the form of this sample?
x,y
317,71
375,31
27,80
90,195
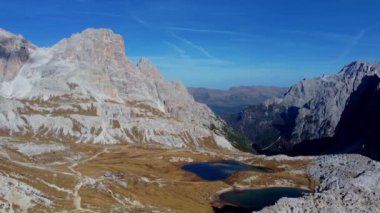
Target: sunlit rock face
x,y
85,89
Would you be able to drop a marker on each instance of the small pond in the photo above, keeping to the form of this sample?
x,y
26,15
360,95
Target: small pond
x,y
220,170
256,199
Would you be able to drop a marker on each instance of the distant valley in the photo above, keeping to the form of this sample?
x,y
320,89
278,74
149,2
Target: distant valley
x,y
235,99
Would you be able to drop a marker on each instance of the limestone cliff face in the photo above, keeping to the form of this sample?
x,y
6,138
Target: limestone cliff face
x,y
312,116
321,101
85,89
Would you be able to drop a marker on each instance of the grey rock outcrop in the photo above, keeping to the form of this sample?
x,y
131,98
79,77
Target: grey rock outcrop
x,y
348,183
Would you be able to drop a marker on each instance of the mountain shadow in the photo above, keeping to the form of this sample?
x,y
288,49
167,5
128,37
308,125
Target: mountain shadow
x,y
268,126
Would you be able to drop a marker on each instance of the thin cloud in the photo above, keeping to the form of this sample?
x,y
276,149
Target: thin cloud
x,y
224,32
322,35
184,57
68,13
165,61
100,14
141,21
177,49
195,46
110,2
356,40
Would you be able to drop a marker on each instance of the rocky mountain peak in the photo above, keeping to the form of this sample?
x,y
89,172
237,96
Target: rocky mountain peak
x,y
319,113
85,89
321,101
357,67
14,52
6,34
97,46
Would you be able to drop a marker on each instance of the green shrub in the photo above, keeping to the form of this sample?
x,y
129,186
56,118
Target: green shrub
x,y
238,140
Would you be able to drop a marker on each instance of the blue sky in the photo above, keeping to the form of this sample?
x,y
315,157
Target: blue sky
x,y
216,43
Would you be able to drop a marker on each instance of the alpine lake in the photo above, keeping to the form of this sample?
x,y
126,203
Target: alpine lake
x,y
241,200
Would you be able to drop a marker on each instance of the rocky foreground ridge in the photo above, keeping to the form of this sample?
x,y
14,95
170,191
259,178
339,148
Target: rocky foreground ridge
x,y
85,89
348,183
328,114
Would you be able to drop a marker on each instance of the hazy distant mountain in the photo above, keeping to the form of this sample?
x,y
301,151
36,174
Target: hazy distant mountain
x,y
329,114
236,98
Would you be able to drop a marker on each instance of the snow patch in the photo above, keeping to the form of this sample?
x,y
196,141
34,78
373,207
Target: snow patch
x,y
32,149
181,159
